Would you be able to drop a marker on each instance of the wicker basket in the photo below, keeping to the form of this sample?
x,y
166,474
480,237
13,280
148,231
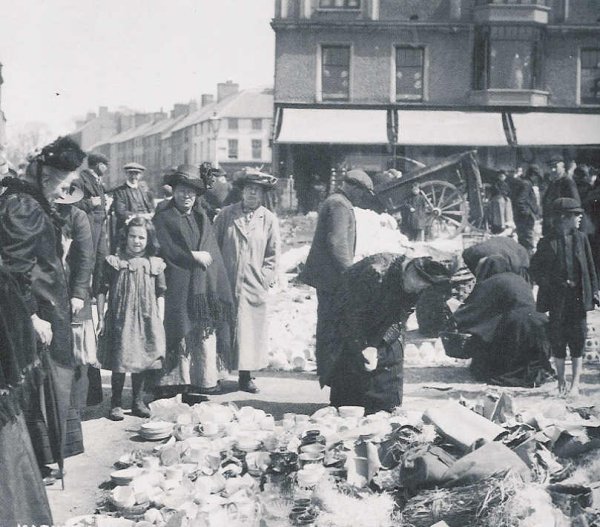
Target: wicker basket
x,y
455,344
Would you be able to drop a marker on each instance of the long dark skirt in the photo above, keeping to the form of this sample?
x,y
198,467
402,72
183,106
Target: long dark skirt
x,y
519,353
49,410
23,499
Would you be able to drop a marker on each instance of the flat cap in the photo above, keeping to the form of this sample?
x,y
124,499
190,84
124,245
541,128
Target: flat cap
x,y
566,205
555,158
95,159
361,178
134,167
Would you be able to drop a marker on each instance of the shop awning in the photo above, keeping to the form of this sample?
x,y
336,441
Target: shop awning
x,y
341,126
450,128
539,129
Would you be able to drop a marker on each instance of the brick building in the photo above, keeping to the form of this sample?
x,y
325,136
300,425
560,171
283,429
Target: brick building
x,y
364,82
2,117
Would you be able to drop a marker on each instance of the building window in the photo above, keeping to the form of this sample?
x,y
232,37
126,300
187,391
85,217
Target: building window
x,y
232,148
512,2
508,57
339,4
233,124
590,76
256,124
410,63
256,148
335,72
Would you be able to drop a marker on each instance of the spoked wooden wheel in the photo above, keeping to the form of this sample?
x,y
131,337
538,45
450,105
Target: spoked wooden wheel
x,y
446,209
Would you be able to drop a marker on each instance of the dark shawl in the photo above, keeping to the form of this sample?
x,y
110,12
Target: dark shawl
x,y
516,255
31,250
196,298
490,301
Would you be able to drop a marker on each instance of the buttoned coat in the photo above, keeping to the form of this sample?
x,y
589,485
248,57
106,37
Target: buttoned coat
x,y
549,273
123,203
251,253
333,245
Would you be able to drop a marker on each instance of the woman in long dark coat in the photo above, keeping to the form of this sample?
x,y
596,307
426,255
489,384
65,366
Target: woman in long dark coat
x,y
31,250
372,303
198,300
23,498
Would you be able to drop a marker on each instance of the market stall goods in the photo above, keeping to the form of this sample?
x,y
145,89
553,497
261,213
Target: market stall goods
x,y
224,465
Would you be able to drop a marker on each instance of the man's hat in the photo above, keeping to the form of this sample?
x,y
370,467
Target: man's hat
x,y
95,159
252,175
360,178
134,167
64,154
566,205
186,175
555,159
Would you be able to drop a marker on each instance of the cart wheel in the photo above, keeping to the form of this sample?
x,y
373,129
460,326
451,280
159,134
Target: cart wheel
x,y
446,209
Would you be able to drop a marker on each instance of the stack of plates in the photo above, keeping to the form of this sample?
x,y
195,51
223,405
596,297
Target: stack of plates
x,y
124,477
156,430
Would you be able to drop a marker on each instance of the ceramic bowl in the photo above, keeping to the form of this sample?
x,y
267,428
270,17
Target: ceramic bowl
x,y
314,448
355,412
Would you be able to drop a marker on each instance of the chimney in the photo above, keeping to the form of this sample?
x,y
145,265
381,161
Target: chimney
x,y
206,99
178,110
225,89
192,106
103,111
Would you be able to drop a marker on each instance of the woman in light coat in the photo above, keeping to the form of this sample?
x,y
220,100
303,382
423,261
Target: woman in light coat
x,y
248,235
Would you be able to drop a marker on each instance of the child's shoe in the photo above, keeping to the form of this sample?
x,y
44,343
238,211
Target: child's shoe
x,y
140,410
116,414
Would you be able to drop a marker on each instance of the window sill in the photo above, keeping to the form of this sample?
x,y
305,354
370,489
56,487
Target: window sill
x,y
511,13
509,97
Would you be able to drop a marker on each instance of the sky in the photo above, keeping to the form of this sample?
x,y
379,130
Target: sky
x,y
64,58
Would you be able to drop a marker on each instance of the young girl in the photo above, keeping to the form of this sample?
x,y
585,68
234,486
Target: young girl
x,y
132,337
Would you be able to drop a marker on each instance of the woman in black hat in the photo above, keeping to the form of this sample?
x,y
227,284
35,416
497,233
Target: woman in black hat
x,y
30,248
198,300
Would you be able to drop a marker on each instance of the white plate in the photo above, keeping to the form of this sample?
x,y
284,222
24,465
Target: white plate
x,y
155,426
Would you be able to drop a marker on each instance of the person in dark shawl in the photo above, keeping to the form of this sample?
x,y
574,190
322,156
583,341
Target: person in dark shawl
x,y
509,342
198,301
23,499
515,255
31,250
364,360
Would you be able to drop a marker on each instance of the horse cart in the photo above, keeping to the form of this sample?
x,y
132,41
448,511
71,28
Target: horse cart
x,y
453,191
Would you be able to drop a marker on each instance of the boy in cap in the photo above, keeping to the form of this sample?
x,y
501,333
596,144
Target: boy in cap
x,y
564,269
560,186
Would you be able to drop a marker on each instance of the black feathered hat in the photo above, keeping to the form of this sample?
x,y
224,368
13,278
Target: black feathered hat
x,y
64,154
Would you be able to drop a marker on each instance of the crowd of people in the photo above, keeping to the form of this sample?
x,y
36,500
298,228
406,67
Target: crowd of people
x,y
180,297
181,293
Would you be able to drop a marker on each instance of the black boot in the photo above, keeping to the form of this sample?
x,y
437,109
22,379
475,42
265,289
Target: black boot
x,y
246,382
117,381
138,407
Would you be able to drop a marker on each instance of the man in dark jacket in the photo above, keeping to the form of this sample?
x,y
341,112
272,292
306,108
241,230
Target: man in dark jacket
x,y
564,269
332,251
130,199
526,209
94,205
561,185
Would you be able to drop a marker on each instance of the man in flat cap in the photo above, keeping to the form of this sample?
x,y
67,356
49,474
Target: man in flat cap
x,y
130,199
94,204
332,252
560,185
